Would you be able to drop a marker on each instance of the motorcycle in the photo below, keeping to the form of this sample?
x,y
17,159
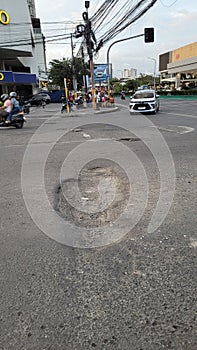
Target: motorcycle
x,y
17,121
25,106
66,105
78,101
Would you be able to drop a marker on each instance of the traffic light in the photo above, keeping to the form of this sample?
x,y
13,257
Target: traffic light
x,y
149,35
87,4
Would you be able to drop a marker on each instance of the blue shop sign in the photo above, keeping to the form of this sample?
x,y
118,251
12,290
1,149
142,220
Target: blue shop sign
x,y
22,78
6,77
18,78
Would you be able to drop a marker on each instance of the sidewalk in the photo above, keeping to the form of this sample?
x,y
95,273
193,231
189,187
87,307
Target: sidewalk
x,y
89,110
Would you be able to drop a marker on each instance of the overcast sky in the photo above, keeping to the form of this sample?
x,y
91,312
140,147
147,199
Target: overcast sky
x,y
175,24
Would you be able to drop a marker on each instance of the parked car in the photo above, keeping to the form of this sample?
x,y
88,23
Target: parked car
x,y
144,101
39,98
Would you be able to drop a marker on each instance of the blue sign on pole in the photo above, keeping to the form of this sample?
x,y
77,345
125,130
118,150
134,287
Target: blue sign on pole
x,y
100,73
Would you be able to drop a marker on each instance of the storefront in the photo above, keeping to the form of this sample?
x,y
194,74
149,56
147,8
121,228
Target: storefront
x,y
20,82
179,67
22,49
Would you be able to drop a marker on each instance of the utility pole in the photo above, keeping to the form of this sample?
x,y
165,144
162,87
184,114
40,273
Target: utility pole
x,y
84,71
86,31
73,64
89,44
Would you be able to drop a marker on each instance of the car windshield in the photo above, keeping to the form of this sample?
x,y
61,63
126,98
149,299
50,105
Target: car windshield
x,y
143,95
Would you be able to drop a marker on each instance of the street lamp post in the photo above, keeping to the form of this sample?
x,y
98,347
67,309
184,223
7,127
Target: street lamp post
x,y
115,42
154,78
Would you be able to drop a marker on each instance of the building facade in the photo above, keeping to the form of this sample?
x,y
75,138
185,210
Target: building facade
x,y
22,48
129,73
179,67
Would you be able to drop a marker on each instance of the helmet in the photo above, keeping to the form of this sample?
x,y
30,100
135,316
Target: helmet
x,y
13,94
4,97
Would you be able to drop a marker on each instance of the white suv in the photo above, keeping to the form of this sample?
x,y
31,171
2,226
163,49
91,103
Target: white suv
x,y
144,101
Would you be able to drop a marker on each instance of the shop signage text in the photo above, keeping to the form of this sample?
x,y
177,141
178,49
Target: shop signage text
x,y
4,17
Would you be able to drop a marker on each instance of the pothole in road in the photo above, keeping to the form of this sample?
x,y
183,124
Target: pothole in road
x,y
95,183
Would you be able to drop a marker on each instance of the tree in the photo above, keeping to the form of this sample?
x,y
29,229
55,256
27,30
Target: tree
x,y
117,87
145,79
65,68
131,85
80,69
58,70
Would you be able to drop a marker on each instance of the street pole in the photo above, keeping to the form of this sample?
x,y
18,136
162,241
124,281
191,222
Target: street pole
x,y
154,79
73,64
90,49
84,71
66,94
115,42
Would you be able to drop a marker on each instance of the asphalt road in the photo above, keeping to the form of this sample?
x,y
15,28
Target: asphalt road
x,y
130,286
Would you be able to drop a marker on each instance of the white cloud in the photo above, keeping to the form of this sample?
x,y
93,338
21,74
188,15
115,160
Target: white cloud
x,y
175,26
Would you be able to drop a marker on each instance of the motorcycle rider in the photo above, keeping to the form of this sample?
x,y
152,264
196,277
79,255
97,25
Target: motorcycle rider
x,y
122,95
6,109
15,106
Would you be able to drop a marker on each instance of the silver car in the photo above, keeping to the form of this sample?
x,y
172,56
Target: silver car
x,y
144,101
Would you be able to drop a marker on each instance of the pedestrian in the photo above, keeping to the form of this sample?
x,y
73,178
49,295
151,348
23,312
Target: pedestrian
x,y
111,100
103,99
70,102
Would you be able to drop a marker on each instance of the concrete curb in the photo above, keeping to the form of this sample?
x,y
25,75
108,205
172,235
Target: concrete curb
x,y
77,113
104,110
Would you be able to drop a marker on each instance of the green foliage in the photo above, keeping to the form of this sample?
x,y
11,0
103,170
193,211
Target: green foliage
x,y
144,79
131,85
116,87
178,93
113,81
60,69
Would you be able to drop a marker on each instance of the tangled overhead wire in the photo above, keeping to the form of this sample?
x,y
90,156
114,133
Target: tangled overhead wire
x,y
114,16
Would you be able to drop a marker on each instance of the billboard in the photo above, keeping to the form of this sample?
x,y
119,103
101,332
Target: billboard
x,y
184,52
100,73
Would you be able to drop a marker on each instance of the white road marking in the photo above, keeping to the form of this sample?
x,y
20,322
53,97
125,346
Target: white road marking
x,y
40,118
172,128
181,115
188,129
